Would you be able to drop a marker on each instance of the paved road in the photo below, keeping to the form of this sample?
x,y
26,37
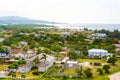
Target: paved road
x,y
115,76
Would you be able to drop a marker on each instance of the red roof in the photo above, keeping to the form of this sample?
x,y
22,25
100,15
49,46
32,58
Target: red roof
x,y
8,30
16,48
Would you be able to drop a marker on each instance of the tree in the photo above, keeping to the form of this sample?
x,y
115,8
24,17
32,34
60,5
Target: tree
x,y
112,60
88,72
25,49
36,61
79,72
23,76
106,68
44,57
100,71
11,66
56,47
97,41
72,55
46,50
13,75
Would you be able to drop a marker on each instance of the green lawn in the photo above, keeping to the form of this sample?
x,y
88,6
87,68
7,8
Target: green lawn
x,y
3,67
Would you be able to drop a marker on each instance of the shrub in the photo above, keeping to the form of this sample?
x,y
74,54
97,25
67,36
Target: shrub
x,y
88,72
100,71
36,72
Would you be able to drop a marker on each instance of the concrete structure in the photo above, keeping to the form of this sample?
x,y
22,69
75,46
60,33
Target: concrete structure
x,y
98,52
46,63
43,65
97,35
63,34
25,68
3,74
71,65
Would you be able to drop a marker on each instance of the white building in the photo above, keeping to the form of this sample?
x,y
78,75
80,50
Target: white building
x,y
97,35
98,52
71,65
4,74
45,64
3,54
63,34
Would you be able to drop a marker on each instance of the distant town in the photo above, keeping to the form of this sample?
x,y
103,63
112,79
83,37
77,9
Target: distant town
x,y
51,53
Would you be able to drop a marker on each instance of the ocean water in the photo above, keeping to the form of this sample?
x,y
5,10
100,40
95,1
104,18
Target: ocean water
x,y
110,27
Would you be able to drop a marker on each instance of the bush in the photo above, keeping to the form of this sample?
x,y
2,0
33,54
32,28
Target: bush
x,y
88,72
23,76
35,67
106,68
62,62
36,72
100,71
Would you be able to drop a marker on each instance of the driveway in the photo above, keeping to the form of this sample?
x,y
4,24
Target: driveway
x,y
115,76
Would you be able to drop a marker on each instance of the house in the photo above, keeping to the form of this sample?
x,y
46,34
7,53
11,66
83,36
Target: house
x,y
23,43
2,39
8,33
25,55
63,34
16,50
98,52
4,54
61,59
24,68
71,65
4,74
45,64
21,55
97,35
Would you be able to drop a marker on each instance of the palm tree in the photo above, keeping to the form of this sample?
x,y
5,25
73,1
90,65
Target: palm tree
x,y
44,57
36,61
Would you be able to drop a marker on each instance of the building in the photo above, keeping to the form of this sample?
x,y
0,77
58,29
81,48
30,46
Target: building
x,y
25,55
98,52
64,34
4,74
97,35
3,54
71,65
45,64
23,43
8,33
16,50
42,66
2,39
24,69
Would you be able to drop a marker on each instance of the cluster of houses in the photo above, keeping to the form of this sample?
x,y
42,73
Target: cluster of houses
x,y
49,60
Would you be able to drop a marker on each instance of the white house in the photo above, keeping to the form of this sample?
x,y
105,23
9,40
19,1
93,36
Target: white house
x,y
25,55
71,65
24,43
45,64
3,54
63,34
25,68
4,74
98,52
97,35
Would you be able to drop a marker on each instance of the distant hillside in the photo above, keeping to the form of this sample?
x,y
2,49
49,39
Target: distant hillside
x,y
22,20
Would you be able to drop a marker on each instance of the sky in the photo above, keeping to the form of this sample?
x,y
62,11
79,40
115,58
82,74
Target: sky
x,y
69,11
